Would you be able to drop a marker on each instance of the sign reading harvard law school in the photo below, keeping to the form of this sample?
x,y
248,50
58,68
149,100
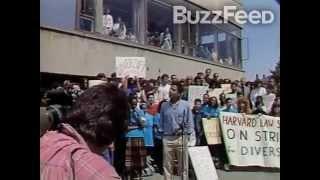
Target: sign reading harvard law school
x,y
251,140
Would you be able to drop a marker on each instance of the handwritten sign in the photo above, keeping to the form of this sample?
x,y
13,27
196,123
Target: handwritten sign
x,y
95,82
216,92
196,92
251,140
212,131
226,88
202,164
268,101
131,66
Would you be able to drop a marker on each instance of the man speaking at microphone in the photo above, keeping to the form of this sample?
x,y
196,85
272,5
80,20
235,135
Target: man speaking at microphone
x,y
176,124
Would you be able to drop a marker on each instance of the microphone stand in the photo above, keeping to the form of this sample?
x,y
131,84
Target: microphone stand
x,y
183,146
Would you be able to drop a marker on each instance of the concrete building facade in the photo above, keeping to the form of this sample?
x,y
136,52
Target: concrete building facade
x,y
74,44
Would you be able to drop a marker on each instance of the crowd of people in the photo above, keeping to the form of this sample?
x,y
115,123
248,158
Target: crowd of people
x,y
158,121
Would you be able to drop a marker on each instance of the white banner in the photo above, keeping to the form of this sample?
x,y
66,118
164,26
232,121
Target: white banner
x,y
251,140
196,92
202,164
131,66
95,82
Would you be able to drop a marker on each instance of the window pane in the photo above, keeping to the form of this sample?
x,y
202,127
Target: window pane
x,y
206,47
121,13
56,13
87,7
160,25
86,24
229,49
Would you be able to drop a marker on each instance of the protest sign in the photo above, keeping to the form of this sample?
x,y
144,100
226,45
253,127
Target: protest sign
x,y
131,66
95,82
212,131
196,92
226,88
251,140
268,101
203,167
216,92
232,96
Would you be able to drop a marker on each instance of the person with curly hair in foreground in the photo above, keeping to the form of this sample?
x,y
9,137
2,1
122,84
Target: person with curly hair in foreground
x,y
74,149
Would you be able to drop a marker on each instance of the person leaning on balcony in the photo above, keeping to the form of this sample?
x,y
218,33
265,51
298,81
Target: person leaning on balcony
x,y
74,149
119,29
166,40
107,22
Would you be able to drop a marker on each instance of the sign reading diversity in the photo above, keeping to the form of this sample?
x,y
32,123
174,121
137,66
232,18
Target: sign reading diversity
x,y
131,66
251,140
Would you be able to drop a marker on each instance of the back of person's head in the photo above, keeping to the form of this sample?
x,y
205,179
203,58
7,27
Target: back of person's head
x,y
45,121
164,76
59,97
197,101
101,76
99,115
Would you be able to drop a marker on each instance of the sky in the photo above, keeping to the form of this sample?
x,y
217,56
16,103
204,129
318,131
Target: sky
x,y
263,40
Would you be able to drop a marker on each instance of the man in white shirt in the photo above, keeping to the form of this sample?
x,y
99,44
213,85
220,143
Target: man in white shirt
x,y
269,98
107,22
258,91
164,88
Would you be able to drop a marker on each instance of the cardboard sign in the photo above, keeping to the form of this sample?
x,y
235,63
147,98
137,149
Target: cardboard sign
x,y
196,92
212,131
251,140
131,66
268,101
231,96
216,92
226,88
95,82
202,163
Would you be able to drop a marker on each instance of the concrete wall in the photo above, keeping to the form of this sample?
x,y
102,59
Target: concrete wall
x,y
70,52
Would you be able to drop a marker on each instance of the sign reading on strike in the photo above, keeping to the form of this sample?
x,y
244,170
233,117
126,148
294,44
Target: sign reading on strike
x,y
131,66
251,140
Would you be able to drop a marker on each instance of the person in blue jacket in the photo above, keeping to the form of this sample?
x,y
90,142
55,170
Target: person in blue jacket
x,y
230,106
212,110
157,154
135,155
148,139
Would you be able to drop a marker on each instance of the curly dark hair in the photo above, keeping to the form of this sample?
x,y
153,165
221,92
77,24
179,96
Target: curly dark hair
x,y
100,114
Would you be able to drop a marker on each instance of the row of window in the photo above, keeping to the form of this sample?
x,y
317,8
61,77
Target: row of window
x,y
122,19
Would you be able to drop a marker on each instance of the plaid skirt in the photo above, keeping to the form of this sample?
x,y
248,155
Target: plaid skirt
x,y
135,156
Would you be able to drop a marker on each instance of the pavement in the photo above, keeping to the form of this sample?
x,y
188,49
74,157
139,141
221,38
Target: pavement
x,y
233,175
